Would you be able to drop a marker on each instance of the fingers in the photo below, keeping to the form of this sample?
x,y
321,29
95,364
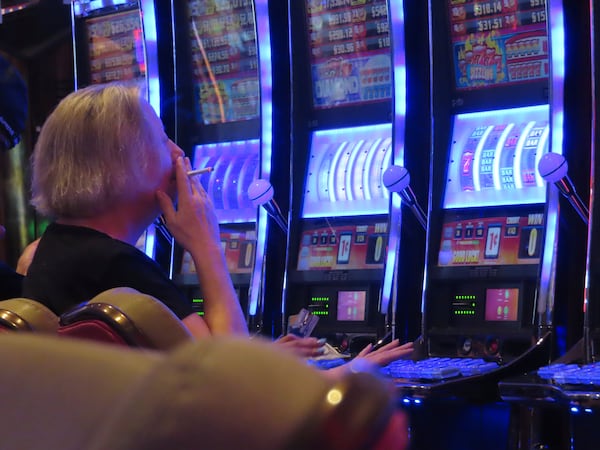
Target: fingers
x,y
365,351
166,205
183,181
195,183
384,358
305,347
369,348
388,353
389,345
286,338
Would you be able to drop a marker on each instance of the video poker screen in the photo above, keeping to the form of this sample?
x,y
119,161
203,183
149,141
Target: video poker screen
x,y
498,42
224,61
350,53
342,245
494,155
116,48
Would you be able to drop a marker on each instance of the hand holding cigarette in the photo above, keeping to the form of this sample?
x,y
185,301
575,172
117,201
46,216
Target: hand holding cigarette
x,y
191,173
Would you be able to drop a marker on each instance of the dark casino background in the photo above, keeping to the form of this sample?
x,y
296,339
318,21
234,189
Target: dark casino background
x,y
420,170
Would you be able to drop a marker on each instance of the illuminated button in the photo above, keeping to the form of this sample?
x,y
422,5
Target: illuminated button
x,y
493,346
467,345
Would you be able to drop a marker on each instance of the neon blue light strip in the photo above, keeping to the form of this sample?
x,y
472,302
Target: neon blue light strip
x,y
263,39
74,44
388,289
148,15
148,20
150,241
557,72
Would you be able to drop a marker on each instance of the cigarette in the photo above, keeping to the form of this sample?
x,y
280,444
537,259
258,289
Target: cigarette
x,y
191,173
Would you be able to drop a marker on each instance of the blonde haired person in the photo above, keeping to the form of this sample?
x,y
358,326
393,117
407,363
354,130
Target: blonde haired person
x,y
103,171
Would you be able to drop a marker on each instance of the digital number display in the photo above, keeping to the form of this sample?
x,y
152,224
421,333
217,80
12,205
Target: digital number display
x,y
224,60
470,240
498,42
342,247
116,48
349,51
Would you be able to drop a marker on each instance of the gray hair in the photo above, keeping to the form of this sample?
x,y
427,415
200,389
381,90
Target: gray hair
x,y
95,148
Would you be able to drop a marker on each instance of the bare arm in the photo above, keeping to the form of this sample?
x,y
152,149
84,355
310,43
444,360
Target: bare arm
x,y
26,257
195,227
376,358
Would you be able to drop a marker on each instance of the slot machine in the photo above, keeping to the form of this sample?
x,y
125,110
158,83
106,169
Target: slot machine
x,y
495,234
568,387
116,40
224,115
348,126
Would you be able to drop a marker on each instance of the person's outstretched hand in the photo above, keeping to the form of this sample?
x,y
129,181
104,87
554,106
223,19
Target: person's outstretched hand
x,y
304,347
386,354
374,358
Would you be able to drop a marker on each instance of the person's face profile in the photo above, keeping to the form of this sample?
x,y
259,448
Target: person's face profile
x,y
165,151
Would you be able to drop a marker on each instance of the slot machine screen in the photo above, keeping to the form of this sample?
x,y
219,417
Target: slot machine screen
x,y
224,61
332,245
498,42
235,165
238,245
116,48
349,52
351,306
494,157
492,238
502,305
345,172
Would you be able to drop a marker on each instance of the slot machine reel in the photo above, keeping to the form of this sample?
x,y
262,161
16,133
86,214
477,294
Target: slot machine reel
x,y
554,169
260,193
397,179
